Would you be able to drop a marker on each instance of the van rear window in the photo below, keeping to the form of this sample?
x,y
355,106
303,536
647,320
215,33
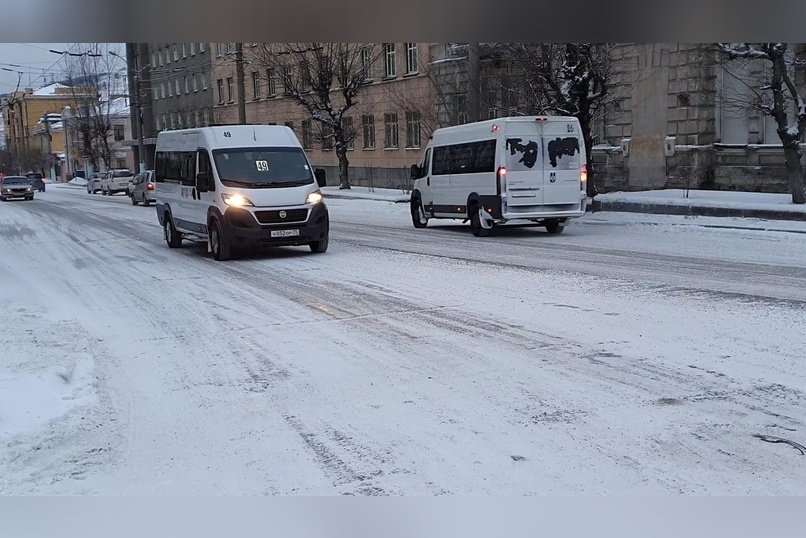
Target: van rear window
x,y
262,167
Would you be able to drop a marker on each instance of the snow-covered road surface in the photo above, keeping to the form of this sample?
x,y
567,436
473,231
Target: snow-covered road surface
x,y
630,355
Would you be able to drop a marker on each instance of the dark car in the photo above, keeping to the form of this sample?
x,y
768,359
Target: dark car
x,y
16,187
37,181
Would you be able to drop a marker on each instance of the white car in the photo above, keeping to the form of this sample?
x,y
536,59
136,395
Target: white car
x,y
116,181
94,182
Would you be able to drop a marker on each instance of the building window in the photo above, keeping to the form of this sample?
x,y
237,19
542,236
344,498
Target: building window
x,y
368,124
411,57
187,85
366,62
118,129
412,129
161,56
389,60
193,49
162,89
304,77
390,130
349,132
221,91
201,47
154,59
307,135
156,90
206,117
327,136
219,49
204,81
176,52
158,122
195,82
272,85
230,90
255,85
178,87
230,47
287,79
170,88
184,50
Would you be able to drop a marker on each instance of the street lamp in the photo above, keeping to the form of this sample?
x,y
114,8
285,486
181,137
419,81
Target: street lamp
x,y
135,74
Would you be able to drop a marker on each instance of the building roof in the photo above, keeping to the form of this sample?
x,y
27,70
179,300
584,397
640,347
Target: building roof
x,y
51,89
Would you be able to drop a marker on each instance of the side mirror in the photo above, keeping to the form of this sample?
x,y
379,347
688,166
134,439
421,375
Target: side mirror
x,y
203,182
320,176
415,171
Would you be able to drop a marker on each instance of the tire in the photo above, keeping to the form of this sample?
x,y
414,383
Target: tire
x,y
554,227
319,247
172,237
218,245
475,223
418,217
29,198
146,201
2,198
134,200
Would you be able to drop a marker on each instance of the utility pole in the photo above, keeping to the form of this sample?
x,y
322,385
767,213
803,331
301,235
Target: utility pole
x,y
132,58
240,81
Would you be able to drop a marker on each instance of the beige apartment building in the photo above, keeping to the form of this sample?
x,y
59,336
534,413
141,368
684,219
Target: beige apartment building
x,y
392,121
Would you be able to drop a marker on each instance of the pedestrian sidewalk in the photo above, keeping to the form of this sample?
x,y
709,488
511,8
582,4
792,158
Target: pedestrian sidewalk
x,y
365,193
703,203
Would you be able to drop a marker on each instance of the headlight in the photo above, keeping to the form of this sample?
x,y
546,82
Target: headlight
x,y
235,200
314,198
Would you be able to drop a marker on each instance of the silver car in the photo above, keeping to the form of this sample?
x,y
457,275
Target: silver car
x,y
94,182
16,187
144,189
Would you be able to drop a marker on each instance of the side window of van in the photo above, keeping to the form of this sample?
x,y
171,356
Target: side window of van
x,y
204,165
426,164
188,168
442,161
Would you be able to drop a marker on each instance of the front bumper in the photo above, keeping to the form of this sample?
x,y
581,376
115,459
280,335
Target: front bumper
x,y
17,194
241,229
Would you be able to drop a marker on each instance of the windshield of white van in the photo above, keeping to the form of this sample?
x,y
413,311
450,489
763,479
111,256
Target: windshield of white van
x,y
262,167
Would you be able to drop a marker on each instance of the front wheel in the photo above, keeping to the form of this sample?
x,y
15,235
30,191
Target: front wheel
x,y
218,245
418,217
172,237
319,246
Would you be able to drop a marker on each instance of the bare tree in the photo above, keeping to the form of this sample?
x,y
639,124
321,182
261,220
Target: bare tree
x,y
95,80
326,80
569,79
786,107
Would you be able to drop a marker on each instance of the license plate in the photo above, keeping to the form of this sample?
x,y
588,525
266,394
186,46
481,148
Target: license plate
x,y
284,233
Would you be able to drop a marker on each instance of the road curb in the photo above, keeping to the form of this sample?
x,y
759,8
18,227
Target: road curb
x,y
349,197
693,210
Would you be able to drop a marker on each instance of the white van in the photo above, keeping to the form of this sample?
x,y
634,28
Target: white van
x,y
525,168
239,187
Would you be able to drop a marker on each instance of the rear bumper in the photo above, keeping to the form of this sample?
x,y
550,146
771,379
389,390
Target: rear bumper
x,y
242,230
547,214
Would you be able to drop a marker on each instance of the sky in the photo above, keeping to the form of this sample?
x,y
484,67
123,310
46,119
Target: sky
x,y
34,60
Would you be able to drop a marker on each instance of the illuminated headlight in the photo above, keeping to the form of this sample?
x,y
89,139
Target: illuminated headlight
x,y
314,198
29,189
235,200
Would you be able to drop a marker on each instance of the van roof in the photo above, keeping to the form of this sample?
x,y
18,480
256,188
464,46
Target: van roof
x,y
484,129
237,136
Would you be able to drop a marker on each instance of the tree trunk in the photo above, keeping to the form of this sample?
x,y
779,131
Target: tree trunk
x,y
794,172
341,153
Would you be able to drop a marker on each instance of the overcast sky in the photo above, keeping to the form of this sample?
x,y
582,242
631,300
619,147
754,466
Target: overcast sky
x,y
32,59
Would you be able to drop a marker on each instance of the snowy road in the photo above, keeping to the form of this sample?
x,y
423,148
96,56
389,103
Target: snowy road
x,y
631,355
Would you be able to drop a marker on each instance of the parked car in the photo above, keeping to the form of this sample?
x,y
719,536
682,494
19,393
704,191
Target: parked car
x,y
94,182
144,189
37,181
130,186
16,187
116,181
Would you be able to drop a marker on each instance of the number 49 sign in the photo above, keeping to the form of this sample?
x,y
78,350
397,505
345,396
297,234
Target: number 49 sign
x,y
262,166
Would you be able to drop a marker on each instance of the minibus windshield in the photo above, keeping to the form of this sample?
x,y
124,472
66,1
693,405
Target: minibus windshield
x,y
262,167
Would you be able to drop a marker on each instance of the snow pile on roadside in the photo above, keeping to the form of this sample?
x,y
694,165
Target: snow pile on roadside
x,y
365,193
78,181
29,401
699,198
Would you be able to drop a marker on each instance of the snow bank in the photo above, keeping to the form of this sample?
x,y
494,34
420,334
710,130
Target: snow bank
x,y
697,198
29,401
78,181
364,193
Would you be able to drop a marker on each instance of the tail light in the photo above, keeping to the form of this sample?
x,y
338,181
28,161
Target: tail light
x,y
150,186
583,177
502,178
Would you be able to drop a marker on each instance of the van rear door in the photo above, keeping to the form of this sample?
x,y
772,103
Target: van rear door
x,y
564,156
524,164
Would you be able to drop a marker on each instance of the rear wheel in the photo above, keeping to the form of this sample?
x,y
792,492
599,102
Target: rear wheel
x,y
554,227
477,224
218,245
146,201
418,217
172,237
134,200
